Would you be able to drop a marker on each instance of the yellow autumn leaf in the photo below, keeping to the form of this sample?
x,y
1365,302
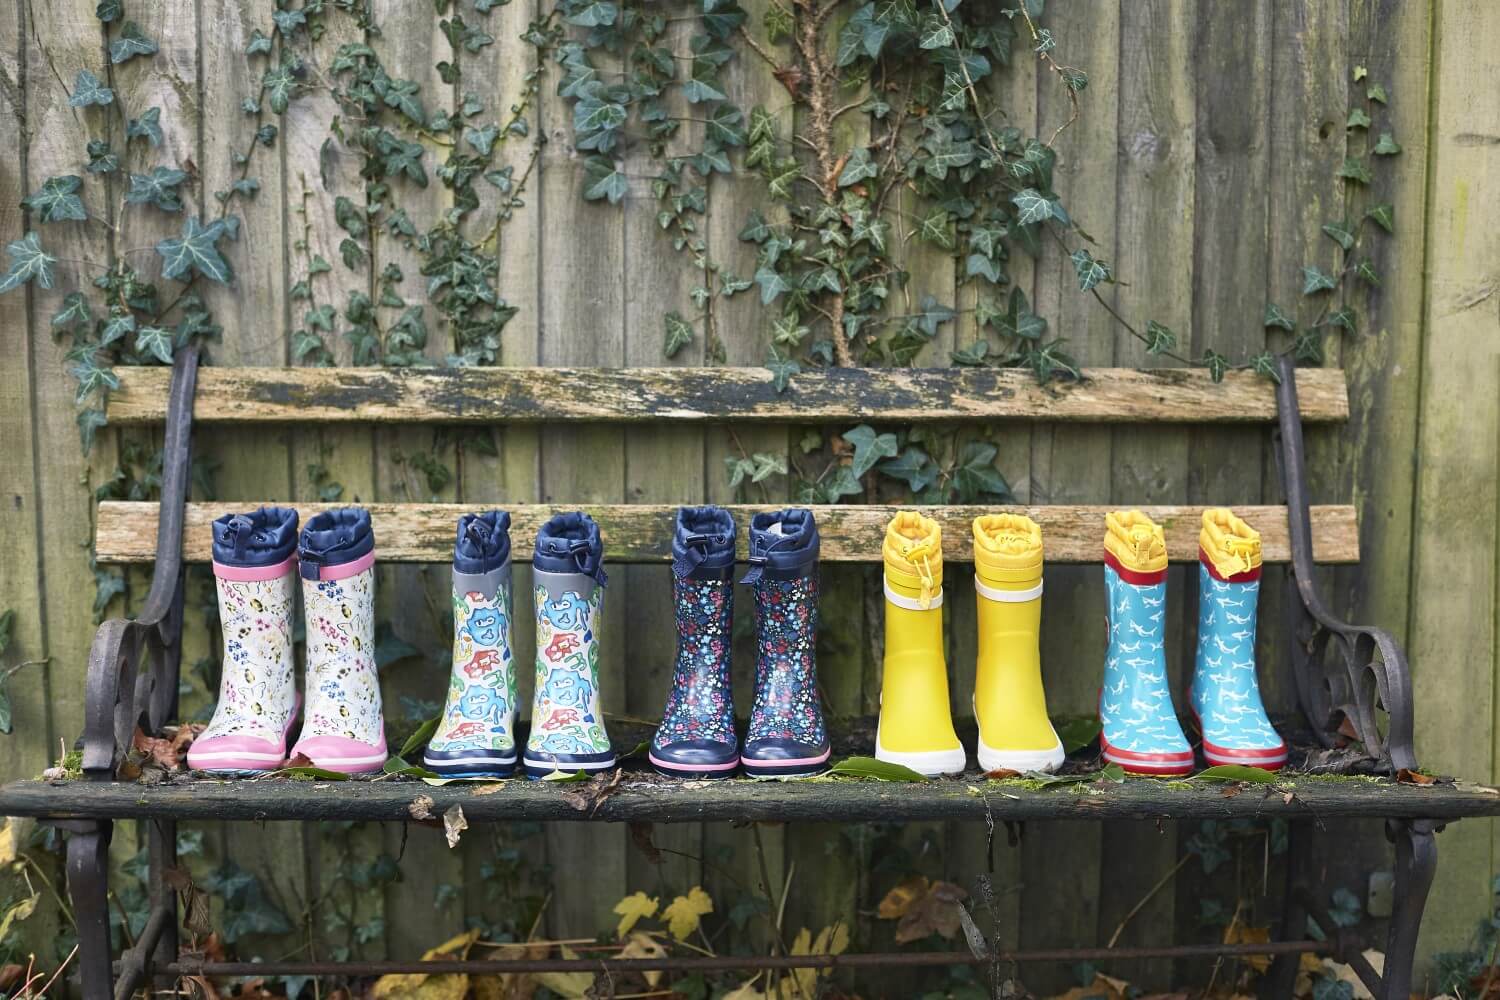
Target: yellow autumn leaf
x,y
643,945
634,908
1238,933
573,985
684,914
421,986
746,991
900,899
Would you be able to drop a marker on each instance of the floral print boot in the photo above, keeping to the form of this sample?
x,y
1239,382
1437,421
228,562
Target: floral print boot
x,y
255,569
696,737
787,737
343,729
475,737
567,720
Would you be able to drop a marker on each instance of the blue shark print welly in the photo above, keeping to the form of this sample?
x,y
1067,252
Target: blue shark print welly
x,y
1140,728
1225,692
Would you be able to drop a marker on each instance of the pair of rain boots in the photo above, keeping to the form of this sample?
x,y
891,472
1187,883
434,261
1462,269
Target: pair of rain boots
x,y
787,737
1140,728
475,737
916,727
257,558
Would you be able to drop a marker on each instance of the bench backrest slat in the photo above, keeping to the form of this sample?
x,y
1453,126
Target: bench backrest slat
x,y
705,395
423,533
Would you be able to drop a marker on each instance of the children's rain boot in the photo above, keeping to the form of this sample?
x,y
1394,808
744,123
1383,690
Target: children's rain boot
x,y
343,729
696,736
567,722
1224,692
1009,702
916,727
787,737
475,737
255,572
1140,728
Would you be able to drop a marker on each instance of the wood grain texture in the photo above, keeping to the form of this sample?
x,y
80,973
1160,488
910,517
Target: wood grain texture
x,y
1454,635
566,395
642,796
641,533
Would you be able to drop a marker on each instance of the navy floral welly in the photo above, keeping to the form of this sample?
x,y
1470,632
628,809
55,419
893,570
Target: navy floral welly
x,y
787,736
696,737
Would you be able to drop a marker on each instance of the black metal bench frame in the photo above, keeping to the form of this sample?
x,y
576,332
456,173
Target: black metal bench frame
x,y
1343,672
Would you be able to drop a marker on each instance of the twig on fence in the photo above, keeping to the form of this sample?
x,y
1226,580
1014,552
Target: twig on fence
x,y
61,967
1158,887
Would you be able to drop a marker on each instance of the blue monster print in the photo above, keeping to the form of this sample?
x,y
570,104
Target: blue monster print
x,y
568,613
571,689
484,626
482,703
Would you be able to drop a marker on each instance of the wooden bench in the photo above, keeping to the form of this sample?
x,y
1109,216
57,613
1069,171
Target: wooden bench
x,y
1350,679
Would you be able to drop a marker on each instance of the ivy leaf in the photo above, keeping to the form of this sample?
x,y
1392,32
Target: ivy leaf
x,y
405,158
1357,119
1384,215
1356,170
109,10
28,261
288,21
595,15
1308,346
120,322
195,250
1159,339
1090,271
931,314
1345,318
780,177
147,126
976,476
977,265
102,160
1366,272
1314,280
936,33
157,188
482,139
1386,145
1275,317
603,180
155,341
1216,364
1032,206
858,167
1341,233
913,467
89,421
679,334
259,42
936,229
1264,365
869,448
726,126
130,43
771,284
1075,79
88,90
279,83
75,310
781,368
92,378
1376,92
57,200
756,229
594,115
697,91
402,95
972,356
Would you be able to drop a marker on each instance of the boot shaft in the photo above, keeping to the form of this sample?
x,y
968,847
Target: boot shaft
x,y
336,560
784,571
482,689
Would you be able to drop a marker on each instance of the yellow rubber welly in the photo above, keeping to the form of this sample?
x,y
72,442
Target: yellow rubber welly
x,y
1009,701
916,728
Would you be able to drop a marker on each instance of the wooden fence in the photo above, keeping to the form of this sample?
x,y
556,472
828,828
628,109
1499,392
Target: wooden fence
x,y
1204,163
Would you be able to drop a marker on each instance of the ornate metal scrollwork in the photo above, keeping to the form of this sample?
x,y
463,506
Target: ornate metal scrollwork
x,y
1345,673
134,662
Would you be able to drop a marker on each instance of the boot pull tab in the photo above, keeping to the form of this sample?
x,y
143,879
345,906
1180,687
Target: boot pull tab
x,y
578,548
925,575
240,530
1240,549
693,555
1140,542
479,533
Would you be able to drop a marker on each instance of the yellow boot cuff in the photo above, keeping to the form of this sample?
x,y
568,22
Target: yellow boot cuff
x,y
1007,551
913,554
1231,545
1136,541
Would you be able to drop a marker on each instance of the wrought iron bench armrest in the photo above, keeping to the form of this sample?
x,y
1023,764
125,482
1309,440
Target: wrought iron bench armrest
x,y
117,692
1343,671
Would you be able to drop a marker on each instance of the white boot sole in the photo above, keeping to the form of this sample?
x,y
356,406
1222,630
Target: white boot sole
x,y
928,763
1045,761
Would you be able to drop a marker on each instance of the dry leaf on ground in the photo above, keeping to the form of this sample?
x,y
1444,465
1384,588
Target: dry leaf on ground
x,y
454,824
421,807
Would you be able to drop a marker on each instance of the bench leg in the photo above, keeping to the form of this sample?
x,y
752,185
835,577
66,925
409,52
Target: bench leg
x,y
88,887
1280,979
1416,863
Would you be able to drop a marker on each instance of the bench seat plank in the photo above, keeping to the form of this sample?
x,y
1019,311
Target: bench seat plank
x,y
420,532
553,395
644,797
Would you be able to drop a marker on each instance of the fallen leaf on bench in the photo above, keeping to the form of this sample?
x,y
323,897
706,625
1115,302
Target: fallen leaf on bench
x,y
1001,774
421,807
869,767
453,825
491,788
1237,772
1406,776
